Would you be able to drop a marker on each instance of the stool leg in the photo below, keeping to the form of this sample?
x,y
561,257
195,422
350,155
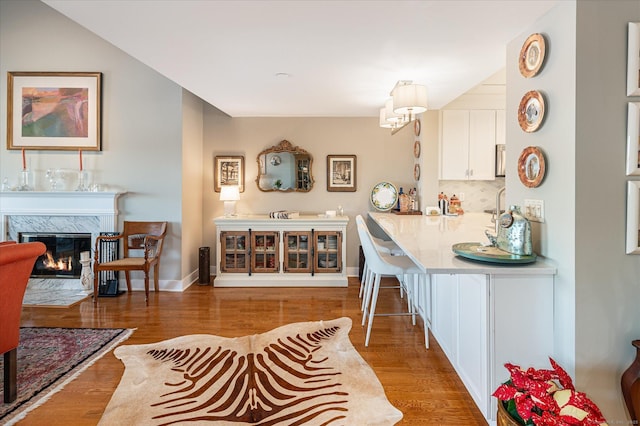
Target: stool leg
x,y
367,294
374,298
367,289
411,296
365,271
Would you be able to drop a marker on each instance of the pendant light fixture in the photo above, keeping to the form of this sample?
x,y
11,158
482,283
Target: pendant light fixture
x,y
407,100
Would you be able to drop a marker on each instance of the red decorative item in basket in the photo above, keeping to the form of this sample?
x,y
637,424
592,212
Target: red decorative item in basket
x,y
545,398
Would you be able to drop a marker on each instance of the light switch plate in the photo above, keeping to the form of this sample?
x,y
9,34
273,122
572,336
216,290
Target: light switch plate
x,y
534,210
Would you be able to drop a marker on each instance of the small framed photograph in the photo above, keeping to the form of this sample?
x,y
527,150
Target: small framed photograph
x,y
53,110
341,173
633,61
633,139
633,217
228,170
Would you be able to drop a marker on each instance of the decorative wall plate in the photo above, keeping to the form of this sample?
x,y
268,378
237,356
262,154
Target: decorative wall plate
x,y
416,172
384,196
532,55
531,111
531,167
416,149
416,127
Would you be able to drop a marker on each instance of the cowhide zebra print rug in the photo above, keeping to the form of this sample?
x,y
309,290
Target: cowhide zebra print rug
x,y
298,374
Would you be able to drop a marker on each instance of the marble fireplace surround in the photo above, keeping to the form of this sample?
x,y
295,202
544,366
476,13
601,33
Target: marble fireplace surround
x,y
32,211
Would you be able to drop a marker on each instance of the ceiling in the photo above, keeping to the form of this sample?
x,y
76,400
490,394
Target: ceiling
x,y
340,58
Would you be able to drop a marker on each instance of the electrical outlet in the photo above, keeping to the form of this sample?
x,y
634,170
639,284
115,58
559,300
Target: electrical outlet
x,y
534,210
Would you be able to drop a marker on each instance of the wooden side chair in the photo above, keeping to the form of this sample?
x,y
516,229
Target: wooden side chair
x,y
16,264
142,243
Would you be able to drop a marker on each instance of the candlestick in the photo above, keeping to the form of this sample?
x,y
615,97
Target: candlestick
x,y
24,161
80,154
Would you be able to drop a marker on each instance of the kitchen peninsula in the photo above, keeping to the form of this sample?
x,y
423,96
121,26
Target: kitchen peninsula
x,y
482,315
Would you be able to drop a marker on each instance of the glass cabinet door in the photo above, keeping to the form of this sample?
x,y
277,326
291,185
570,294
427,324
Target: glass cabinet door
x,y
303,179
297,251
328,251
235,252
264,252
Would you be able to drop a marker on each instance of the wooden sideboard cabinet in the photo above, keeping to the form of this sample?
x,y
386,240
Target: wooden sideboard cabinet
x,y
257,251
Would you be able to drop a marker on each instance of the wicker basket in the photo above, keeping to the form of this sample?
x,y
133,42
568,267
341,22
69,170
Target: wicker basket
x,y
504,418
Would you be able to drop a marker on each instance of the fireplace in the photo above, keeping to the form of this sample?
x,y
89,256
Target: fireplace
x,y
62,258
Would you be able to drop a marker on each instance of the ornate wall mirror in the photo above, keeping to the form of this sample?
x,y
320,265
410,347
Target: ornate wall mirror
x,y
285,168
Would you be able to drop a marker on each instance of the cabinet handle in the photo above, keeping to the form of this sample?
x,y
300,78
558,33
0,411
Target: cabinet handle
x,y
471,172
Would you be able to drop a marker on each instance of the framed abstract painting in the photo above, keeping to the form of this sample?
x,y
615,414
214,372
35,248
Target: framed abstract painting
x,y
53,110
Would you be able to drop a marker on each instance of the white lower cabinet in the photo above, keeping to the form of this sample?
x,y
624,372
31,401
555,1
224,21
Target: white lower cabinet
x,y
258,251
483,321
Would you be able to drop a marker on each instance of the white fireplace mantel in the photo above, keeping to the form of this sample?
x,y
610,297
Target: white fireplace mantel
x,y
103,205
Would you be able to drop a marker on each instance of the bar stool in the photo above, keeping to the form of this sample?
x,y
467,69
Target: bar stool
x,y
368,275
383,246
382,265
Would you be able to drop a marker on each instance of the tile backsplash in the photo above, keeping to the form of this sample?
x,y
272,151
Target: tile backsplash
x,y
479,195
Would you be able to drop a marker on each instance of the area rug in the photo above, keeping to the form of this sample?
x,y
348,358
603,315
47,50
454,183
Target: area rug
x,y
298,374
49,358
46,298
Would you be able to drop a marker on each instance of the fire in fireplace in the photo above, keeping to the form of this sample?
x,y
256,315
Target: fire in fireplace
x,y
62,258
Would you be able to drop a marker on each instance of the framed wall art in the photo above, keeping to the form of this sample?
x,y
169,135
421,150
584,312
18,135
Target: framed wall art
x,y
633,217
633,61
341,173
53,110
228,170
633,139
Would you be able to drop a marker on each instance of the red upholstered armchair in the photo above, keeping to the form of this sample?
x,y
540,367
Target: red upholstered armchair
x,y
16,263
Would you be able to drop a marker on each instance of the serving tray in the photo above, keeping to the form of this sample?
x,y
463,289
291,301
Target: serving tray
x,y
476,251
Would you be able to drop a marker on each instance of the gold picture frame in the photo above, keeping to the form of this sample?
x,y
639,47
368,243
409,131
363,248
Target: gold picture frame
x,y
54,110
228,170
341,173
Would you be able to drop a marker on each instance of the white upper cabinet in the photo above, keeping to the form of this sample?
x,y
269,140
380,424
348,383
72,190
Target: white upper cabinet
x,y
467,144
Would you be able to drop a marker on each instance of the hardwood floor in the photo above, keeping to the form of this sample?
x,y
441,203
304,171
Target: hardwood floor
x,y
419,382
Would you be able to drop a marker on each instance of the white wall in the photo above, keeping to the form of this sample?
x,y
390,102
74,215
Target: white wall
x,y
380,157
607,279
141,119
597,289
554,239
192,183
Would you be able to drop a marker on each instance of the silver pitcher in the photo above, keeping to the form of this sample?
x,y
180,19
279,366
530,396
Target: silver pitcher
x,y
514,233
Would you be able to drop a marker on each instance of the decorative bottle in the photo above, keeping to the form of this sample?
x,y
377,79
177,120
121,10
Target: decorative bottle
x,y
400,194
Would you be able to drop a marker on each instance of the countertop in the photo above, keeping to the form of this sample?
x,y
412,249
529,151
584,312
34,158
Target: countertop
x,y
427,240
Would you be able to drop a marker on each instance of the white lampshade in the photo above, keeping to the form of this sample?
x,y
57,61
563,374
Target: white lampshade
x,y
383,119
410,99
390,114
229,193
